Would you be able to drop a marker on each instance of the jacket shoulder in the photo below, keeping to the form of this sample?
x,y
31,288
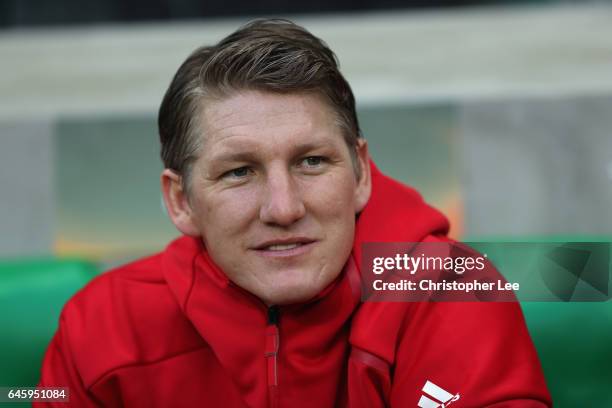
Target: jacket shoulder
x,y
122,318
460,346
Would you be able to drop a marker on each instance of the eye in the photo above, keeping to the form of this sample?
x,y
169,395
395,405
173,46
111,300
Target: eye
x,y
237,173
313,161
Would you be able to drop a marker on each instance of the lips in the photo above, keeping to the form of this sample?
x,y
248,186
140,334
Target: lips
x,y
280,247
283,244
285,247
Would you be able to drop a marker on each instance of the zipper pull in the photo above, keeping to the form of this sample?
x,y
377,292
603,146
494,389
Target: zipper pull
x,y
271,353
273,314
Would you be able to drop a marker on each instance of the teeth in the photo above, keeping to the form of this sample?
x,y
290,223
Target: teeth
x,y
282,247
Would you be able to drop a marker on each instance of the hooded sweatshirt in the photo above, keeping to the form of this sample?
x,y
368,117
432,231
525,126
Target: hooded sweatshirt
x,y
172,330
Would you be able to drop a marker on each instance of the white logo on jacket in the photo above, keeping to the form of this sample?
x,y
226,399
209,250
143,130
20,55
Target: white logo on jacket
x,y
436,397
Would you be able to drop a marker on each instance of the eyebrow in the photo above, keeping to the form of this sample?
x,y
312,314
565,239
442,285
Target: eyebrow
x,y
233,156
250,154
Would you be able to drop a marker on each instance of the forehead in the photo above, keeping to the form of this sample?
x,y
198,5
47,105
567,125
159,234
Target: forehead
x,y
260,119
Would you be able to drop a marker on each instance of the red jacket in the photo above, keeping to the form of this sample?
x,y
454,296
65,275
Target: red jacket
x,y
172,331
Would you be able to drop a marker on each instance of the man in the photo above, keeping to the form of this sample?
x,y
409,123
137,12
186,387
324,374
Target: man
x,y
258,304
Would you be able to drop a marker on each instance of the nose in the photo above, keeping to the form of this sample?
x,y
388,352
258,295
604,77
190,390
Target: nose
x,y
282,201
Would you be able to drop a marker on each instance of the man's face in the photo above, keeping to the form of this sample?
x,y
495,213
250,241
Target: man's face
x,y
274,193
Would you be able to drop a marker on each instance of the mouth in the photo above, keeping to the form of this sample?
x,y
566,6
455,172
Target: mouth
x,y
286,247
281,247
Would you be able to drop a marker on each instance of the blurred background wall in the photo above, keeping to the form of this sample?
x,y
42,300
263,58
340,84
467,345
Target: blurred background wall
x,y
500,114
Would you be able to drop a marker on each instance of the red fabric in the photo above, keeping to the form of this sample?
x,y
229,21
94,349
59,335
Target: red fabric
x,y
172,331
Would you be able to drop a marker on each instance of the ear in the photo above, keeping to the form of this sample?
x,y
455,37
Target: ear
x,y
364,184
177,203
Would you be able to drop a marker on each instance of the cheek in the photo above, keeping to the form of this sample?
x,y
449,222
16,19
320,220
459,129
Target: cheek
x,y
226,213
333,196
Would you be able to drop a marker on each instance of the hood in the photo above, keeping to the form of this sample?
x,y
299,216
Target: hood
x,y
395,213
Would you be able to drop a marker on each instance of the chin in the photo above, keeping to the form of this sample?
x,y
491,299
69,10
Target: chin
x,y
290,294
